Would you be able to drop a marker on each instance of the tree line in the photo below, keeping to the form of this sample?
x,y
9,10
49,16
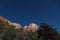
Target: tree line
x,y
44,32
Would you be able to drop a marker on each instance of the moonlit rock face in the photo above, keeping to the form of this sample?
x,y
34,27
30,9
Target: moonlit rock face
x,y
3,20
9,22
25,29
16,25
32,27
25,26
1,17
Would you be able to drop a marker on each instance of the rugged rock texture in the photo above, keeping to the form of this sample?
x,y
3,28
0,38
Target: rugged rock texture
x,y
18,26
8,23
5,21
31,27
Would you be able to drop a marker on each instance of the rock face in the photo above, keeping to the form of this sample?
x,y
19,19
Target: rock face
x,y
25,28
7,23
32,27
18,26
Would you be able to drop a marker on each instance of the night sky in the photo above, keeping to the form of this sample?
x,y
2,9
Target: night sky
x,y
25,12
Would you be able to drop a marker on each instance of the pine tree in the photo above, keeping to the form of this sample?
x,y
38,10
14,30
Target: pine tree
x,y
46,32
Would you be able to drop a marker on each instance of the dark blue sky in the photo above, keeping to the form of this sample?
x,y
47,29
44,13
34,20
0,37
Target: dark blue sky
x,y
28,11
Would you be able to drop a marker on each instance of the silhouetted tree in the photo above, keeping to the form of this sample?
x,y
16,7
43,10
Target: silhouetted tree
x,y
46,32
58,36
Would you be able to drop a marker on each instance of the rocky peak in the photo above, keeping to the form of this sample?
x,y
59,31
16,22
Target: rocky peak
x,y
18,26
7,22
31,27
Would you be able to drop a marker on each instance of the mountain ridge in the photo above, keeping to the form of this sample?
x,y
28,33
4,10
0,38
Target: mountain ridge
x,y
30,27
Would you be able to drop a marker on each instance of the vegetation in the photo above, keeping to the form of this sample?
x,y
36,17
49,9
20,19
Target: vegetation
x,y
10,34
44,32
